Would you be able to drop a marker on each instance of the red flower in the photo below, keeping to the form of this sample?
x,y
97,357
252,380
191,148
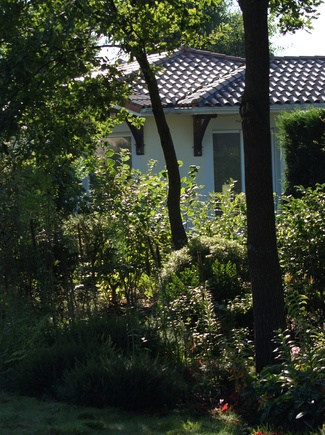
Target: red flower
x,y
224,408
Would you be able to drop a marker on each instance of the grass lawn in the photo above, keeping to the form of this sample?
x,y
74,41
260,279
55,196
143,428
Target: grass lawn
x,y
25,415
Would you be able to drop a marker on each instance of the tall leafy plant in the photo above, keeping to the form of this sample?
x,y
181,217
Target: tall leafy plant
x,y
123,234
221,213
292,392
301,229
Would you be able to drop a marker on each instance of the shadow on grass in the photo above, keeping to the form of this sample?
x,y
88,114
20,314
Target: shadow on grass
x,y
25,415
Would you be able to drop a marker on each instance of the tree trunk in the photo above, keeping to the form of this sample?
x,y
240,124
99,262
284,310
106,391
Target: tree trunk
x,y
268,298
174,182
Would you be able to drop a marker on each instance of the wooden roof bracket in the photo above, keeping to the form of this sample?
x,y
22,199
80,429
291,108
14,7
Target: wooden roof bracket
x,y
200,123
138,137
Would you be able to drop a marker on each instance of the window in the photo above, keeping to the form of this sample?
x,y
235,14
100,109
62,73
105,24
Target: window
x,y
227,160
116,144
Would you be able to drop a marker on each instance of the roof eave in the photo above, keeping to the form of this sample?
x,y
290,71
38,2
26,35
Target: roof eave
x,y
137,110
195,110
290,107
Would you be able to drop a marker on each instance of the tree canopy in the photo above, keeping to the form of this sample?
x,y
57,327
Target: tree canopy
x,y
50,101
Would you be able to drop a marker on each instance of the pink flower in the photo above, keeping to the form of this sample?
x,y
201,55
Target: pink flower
x,y
295,350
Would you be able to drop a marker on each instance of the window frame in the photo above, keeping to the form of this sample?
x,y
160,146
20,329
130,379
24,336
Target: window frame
x,y
241,150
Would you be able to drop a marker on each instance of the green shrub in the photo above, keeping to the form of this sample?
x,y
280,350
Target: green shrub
x,y
221,213
237,358
192,323
22,329
302,138
301,242
203,255
133,383
224,281
39,368
292,393
209,249
107,360
219,264
95,331
40,371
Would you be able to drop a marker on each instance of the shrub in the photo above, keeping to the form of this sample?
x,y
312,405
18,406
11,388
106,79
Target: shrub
x,y
221,213
301,242
134,383
209,256
292,393
302,137
41,365
22,329
107,360
191,323
41,369
222,266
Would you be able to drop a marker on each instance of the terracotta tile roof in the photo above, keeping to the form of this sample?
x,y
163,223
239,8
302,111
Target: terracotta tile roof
x,y
194,78
297,80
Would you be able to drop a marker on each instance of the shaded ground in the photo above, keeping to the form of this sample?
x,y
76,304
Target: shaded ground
x,y
24,415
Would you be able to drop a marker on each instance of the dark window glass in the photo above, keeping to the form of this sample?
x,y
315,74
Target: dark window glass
x,y
227,160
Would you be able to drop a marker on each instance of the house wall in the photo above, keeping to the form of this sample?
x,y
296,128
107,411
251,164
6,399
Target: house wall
x,y
181,127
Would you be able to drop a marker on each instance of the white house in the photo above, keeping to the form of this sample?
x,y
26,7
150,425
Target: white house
x,y
201,93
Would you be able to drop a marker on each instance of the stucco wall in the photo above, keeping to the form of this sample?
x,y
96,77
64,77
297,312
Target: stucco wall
x,y
181,127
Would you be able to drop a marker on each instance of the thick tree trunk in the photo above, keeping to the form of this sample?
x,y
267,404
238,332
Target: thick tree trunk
x,y
268,299
174,182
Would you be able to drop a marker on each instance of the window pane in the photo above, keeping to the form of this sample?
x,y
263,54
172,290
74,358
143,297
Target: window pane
x,y
227,162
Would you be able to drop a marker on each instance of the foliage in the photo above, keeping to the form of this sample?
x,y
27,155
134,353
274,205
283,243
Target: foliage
x,y
164,26
126,382
105,361
191,321
103,253
33,247
219,362
68,259
301,231
205,308
225,30
222,213
268,297
292,392
220,262
45,50
237,352
302,138
189,340
159,27
293,15
124,236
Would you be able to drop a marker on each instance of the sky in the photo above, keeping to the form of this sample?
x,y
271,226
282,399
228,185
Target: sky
x,y
303,43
